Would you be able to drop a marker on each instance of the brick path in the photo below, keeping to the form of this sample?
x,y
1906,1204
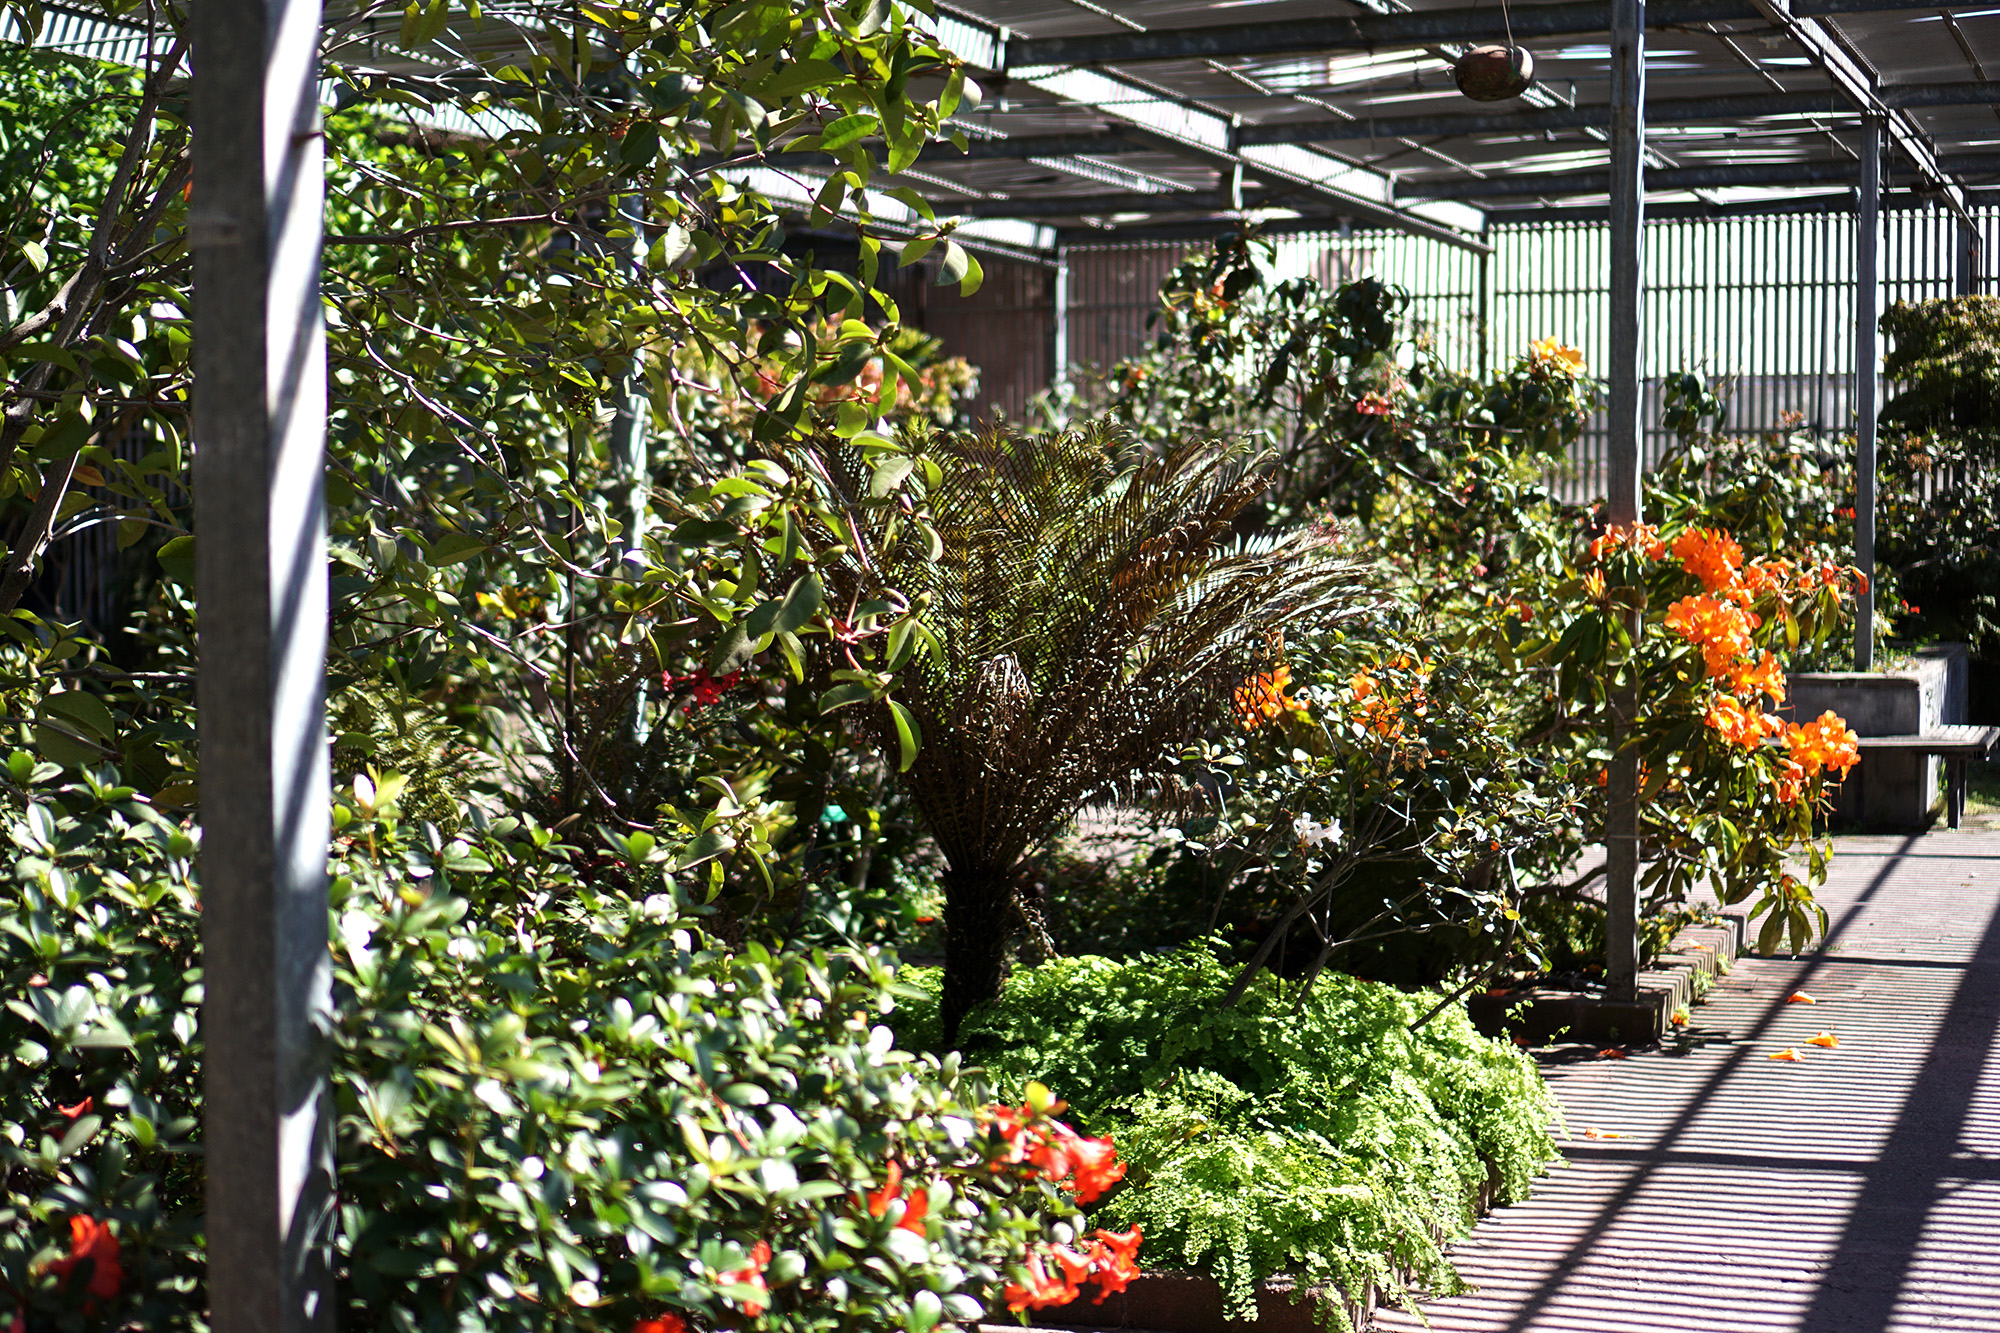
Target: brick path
x,y
1856,1192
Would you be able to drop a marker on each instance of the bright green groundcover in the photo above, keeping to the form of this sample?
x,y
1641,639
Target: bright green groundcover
x,y
1322,1139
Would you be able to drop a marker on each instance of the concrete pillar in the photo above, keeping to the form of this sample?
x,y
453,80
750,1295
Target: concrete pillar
x,y
1628,219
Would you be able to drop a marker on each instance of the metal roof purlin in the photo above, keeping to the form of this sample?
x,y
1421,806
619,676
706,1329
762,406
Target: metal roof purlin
x,y
1858,83
1368,32
1196,131
1677,111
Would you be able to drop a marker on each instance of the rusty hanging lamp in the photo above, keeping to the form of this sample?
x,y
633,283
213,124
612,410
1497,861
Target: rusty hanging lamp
x,y
1495,73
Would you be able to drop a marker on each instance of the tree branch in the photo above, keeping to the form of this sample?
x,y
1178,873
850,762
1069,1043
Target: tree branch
x,y
415,234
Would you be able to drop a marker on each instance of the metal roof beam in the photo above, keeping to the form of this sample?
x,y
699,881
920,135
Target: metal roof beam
x,y
1096,205
1676,178
1664,111
1195,131
1369,32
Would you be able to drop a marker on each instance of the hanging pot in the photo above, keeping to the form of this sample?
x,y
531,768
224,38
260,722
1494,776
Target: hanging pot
x,y
1494,73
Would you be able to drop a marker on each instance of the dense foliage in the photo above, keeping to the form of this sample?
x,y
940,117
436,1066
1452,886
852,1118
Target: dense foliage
x,y
1338,1137
1939,524
1407,801
560,1105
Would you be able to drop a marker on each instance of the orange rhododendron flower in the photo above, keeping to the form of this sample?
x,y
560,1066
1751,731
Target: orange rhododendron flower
x,y
1720,630
1787,1054
892,1189
1824,743
1262,698
1766,676
1643,539
1826,1039
915,1209
1042,1289
1800,997
91,1242
1114,1260
1736,724
1060,1155
1551,352
1711,555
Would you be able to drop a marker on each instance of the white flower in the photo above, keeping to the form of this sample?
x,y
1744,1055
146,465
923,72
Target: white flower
x,y
659,907
463,947
1315,834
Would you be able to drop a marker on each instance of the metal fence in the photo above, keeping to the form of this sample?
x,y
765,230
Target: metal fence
x,y
1764,304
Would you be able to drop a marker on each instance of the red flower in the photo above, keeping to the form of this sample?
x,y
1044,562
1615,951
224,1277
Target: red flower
x,y
74,1111
91,1242
704,690
1373,404
1058,1153
1042,1290
892,1188
1096,1164
1114,1261
915,1209
752,1275
666,1323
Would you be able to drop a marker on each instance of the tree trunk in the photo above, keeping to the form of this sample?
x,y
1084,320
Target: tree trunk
x,y
977,914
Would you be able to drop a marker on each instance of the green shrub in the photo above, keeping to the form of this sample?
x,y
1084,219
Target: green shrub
x,y
1323,1139
558,1105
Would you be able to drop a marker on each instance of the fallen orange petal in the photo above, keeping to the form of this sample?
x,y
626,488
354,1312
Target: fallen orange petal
x,y
1595,1133
1522,1041
1680,1020
1826,1039
1800,997
1611,1053
1787,1054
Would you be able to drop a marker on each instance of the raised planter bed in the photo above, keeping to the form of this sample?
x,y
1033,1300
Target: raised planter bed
x,y
1580,1016
1190,1303
1888,790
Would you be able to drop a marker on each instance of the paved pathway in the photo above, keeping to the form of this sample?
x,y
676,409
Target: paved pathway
x,y
1855,1192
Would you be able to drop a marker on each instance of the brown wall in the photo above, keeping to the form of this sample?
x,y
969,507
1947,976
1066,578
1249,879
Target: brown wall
x,y
1004,329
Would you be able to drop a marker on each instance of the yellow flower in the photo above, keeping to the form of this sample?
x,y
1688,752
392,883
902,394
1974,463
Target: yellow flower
x,y
1551,352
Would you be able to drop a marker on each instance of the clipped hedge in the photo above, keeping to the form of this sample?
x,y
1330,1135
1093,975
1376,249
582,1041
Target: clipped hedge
x,y
1322,1139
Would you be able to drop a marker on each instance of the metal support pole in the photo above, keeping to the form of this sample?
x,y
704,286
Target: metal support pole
x,y
630,422
1628,217
1867,376
1059,318
1967,276
259,431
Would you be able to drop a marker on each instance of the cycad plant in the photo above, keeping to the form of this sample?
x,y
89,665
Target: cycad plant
x,y
1095,608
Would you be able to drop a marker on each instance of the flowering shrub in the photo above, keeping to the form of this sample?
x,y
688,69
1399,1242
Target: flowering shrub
x,y
1720,804
559,1105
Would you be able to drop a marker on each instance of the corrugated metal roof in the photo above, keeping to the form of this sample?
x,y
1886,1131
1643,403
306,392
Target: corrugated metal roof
x,y
1339,109
1746,53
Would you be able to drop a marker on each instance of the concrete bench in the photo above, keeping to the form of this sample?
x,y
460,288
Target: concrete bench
x,y
1954,744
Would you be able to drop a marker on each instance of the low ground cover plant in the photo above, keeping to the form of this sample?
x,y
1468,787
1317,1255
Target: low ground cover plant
x,y
1342,1136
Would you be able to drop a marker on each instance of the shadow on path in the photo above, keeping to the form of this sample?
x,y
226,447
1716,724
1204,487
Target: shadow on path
x,y
1918,1164
1525,1317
